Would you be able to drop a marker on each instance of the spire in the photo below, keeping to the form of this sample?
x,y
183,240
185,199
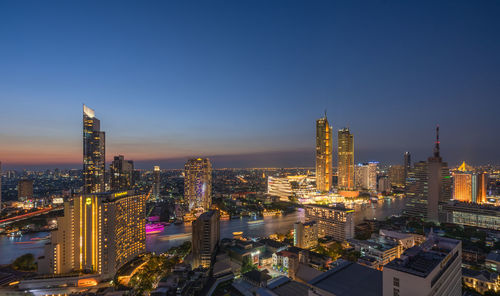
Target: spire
x,y
436,148
325,112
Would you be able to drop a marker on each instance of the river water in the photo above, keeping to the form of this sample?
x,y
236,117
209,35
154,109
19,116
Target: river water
x,y
174,235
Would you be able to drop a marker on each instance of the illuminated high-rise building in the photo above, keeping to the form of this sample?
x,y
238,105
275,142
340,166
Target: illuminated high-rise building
x,y
336,222
469,186
366,176
198,183
98,233
206,235
93,153
345,159
24,189
121,171
305,235
324,150
397,175
156,181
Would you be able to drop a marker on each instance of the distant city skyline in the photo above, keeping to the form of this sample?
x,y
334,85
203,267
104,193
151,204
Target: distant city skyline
x,y
242,83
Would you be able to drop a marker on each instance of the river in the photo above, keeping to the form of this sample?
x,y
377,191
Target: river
x,y
174,235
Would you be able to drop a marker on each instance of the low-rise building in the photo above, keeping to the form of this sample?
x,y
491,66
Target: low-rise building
x,y
481,280
383,250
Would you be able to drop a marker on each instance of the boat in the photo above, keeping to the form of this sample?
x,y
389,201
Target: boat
x,y
152,228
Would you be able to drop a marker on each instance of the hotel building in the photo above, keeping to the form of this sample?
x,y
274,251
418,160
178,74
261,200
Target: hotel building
x,y
93,153
198,183
366,176
206,236
345,159
324,160
24,189
397,175
469,186
98,233
336,222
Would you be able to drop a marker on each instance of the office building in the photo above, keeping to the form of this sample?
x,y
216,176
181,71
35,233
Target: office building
x,y
366,176
305,235
336,222
206,236
93,153
24,190
98,233
397,175
198,183
428,184
324,150
431,269
469,186
345,160
156,182
121,171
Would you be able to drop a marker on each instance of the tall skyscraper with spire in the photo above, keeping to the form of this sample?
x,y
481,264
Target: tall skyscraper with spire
x,y
407,164
430,184
324,151
346,159
93,153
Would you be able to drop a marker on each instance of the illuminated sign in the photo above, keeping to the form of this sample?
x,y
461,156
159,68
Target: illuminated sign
x,y
57,200
120,194
88,200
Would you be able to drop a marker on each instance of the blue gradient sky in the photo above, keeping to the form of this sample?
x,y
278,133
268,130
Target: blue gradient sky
x,y
244,81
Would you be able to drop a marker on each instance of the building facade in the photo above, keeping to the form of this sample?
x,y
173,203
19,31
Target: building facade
x,y
98,233
366,176
345,159
336,222
24,189
397,175
305,235
198,183
205,239
93,153
431,269
469,186
121,172
324,155
470,214
156,181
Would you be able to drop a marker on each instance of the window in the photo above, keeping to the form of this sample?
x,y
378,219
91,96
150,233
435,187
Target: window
x,y
396,282
396,292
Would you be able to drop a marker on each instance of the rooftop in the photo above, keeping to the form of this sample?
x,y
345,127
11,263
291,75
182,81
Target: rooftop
x,y
494,256
344,280
421,260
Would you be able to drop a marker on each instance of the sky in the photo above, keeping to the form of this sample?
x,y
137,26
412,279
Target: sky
x,y
243,82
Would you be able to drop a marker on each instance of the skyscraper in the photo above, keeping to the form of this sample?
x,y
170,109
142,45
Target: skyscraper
x,y
324,148
346,159
206,235
121,171
98,233
93,153
407,163
156,182
428,184
198,183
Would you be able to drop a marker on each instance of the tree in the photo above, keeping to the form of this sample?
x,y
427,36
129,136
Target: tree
x,y
25,262
247,265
